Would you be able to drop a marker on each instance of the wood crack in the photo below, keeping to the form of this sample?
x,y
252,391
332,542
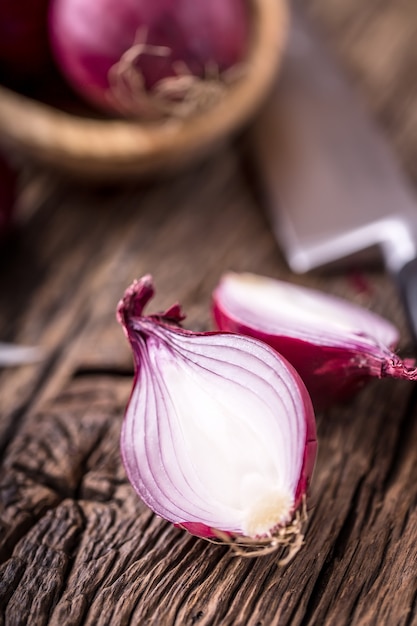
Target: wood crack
x,y
335,554
91,372
404,436
19,413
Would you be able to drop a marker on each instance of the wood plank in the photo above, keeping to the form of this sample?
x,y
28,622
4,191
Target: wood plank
x,y
103,242
76,544
102,555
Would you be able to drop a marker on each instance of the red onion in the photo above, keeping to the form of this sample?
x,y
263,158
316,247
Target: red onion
x,y
219,433
24,46
139,57
334,345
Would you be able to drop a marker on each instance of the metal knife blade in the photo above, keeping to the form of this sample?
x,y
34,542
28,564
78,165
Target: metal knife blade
x,y
333,186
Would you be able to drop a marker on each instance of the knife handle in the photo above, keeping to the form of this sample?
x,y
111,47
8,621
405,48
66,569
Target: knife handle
x,y
407,284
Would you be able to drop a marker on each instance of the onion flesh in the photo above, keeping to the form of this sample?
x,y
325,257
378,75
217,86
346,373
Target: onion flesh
x,y
219,433
335,346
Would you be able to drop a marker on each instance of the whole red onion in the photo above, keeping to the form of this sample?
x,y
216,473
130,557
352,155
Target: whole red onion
x,y
115,51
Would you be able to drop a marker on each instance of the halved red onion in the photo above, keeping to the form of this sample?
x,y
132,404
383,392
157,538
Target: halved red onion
x,y
334,345
219,433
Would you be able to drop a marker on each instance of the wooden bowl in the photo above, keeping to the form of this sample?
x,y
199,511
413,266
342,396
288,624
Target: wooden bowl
x,y
119,148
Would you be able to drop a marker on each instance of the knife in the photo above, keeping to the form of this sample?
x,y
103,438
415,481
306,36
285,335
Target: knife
x,y
332,186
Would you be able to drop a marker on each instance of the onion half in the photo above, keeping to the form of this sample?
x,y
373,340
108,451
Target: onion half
x,y
219,434
334,345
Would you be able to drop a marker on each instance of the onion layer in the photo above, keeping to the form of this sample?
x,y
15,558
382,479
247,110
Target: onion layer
x,y
219,433
334,345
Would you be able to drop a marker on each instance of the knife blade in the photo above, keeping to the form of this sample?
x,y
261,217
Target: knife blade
x,y
332,185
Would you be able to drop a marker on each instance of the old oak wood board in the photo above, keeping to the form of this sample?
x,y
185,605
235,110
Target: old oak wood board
x,y
76,544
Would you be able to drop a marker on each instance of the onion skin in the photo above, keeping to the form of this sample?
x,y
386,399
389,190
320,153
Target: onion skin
x,y
90,37
139,330
331,370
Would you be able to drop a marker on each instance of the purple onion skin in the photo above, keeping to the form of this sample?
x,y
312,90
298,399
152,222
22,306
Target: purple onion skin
x,y
135,299
196,31
331,374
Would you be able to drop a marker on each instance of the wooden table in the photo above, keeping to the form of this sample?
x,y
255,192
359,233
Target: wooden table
x,y
76,544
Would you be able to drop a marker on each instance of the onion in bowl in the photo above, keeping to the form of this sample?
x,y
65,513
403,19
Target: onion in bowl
x,y
149,59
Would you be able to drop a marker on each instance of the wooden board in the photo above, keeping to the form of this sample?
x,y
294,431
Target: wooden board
x,y
76,544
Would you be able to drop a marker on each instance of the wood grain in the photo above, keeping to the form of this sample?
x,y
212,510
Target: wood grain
x,y
76,544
